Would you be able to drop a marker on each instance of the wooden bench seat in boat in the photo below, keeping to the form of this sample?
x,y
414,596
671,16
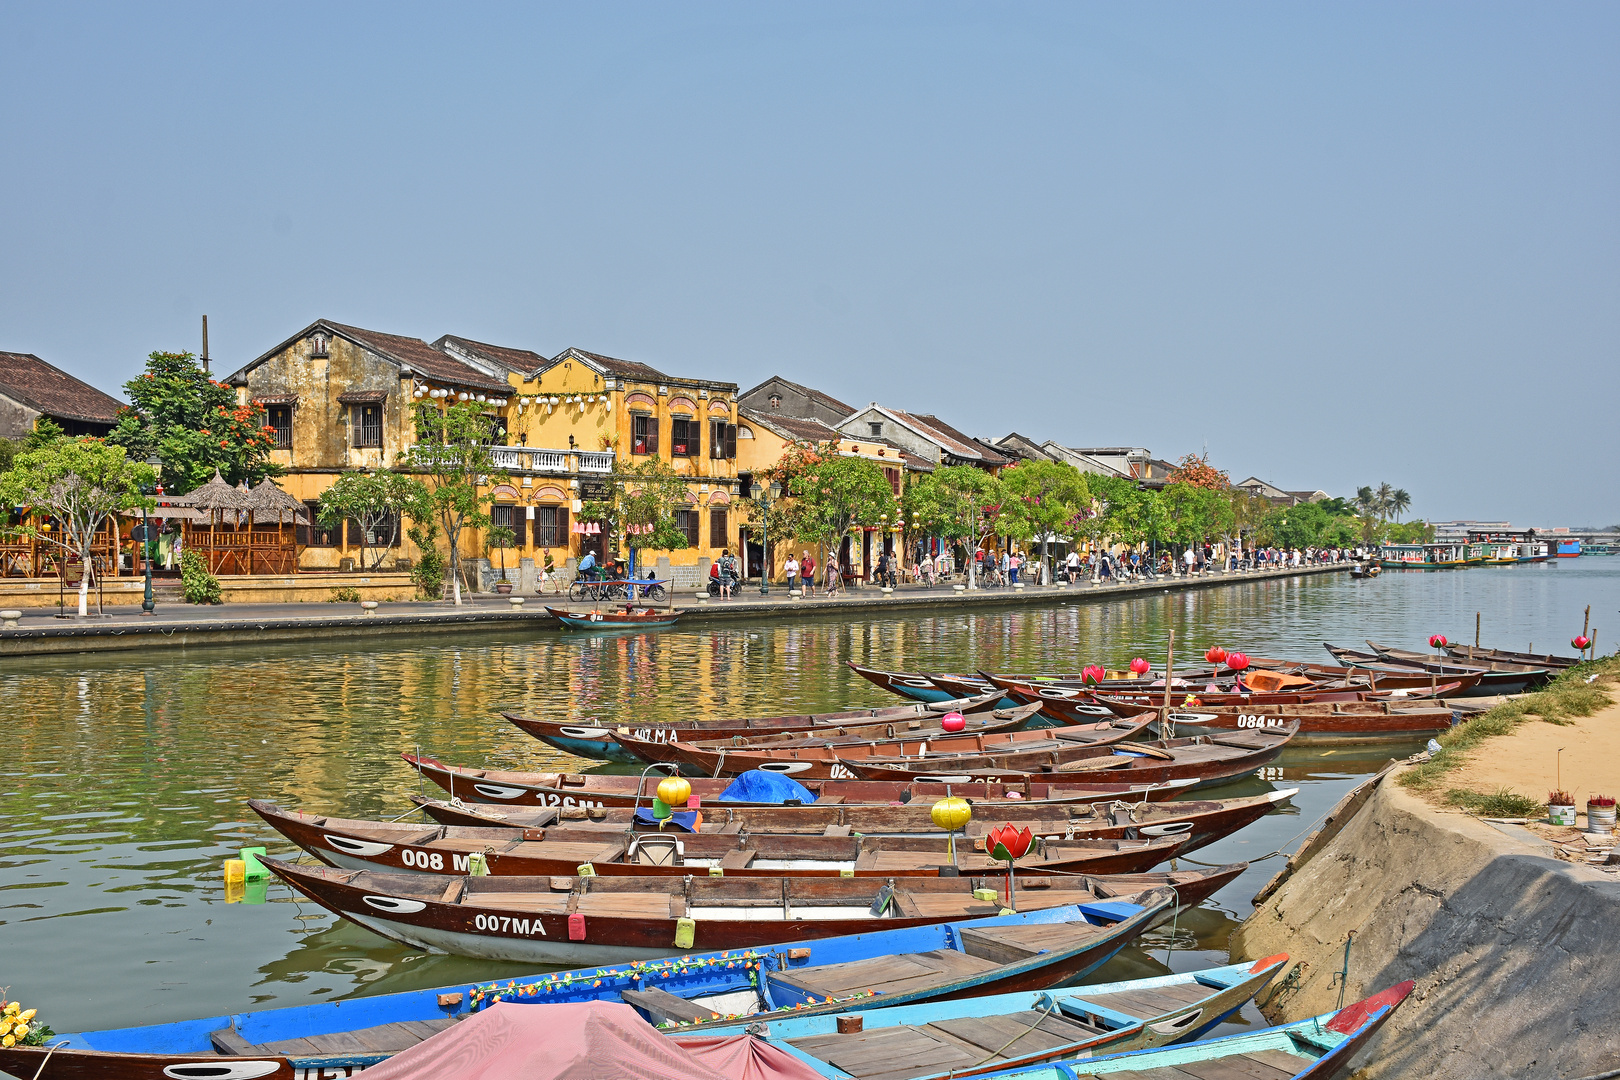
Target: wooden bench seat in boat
x,y
664,1005
383,1039
897,1053
900,973
1010,944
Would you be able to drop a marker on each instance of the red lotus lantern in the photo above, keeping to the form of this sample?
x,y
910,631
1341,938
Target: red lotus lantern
x,y
1092,674
1216,655
1140,666
1237,661
1581,643
1009,844
1437,641
953,722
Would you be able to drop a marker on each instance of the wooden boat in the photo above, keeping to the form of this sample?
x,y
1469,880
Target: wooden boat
x,y
1473,654
627,618
1316,1048
340,1038
1184,680
596,920
943,687
939,1040
1369,569
948,1040
828,760
1490,682
912,685
1407,656
600,790
1204,758
595,740
355,844
1326,722
1199,822
1382,679
1074,705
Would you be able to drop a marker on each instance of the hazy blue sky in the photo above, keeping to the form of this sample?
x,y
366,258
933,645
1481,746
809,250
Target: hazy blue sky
x,y
1335,244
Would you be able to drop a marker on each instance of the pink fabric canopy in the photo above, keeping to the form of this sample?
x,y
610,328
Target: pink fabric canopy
x,y
592,1040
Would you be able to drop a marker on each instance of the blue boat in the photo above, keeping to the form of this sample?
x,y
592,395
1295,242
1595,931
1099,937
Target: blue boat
x,y
942,1039
335,1038
1316,1048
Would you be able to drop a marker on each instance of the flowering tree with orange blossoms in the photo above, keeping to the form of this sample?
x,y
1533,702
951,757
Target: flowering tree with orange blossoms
x,y
194,424
1199,473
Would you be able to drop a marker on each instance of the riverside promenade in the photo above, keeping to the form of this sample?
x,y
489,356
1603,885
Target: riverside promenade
x,y
40,631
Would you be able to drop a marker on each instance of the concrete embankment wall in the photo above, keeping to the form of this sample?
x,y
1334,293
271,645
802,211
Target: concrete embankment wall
x,y
1516,954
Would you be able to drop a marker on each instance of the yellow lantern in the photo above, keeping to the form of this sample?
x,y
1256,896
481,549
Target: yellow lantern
x,y
952,813
674,791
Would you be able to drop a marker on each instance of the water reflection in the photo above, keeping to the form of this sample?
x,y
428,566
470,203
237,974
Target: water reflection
x,y
123,786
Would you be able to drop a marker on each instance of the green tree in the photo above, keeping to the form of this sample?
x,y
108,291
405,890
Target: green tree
x,y
194,424
1195,514
960,503
44,432
379,502
454,454
8,451
1043,499
82,483
835,493
647,496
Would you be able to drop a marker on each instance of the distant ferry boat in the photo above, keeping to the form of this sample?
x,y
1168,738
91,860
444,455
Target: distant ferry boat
x,y
1534,552
1422,556
1569,549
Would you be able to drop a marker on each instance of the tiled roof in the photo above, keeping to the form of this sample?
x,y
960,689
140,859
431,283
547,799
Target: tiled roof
x,y
424,358
624,369
48,389
792,427
519,360
971,447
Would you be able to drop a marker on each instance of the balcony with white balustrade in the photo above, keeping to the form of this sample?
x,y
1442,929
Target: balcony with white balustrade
x,y
534,461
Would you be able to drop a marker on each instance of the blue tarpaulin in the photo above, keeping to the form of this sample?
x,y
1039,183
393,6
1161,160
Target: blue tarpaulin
x,y
766,787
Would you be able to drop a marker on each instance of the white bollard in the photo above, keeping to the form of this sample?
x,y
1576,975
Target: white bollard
x,y
368,607
516,602
9,618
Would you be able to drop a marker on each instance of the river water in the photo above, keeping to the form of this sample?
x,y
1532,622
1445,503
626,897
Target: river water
x,y
124,777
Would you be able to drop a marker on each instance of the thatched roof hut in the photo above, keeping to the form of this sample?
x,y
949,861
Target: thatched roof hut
x,y
270,503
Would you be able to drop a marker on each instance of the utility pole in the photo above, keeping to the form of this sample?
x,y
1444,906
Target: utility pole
x,y
205,345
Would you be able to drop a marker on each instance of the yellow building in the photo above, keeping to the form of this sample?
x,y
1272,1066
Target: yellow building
x,y
341,397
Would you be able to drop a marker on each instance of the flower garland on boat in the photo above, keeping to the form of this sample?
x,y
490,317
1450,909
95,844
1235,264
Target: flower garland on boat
x,y
566,982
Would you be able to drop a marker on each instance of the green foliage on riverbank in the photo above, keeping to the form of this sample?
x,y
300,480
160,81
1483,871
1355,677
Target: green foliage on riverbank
x,y
1573,694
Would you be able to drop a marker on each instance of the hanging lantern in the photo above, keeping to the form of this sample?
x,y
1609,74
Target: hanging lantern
x,y
953,722
1437,641
1216,655
1092,674
951,813
1237,661
1581,643
675,790
1140,666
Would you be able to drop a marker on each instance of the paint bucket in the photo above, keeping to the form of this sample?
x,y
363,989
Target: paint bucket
x,y
1561,815
1600,819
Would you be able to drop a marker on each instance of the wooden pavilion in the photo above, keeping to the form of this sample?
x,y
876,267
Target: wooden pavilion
x,y
227,527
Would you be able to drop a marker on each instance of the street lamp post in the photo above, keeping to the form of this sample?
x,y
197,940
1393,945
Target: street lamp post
x,y
766,494
148,604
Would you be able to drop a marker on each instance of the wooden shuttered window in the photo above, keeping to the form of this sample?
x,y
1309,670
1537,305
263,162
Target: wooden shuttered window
x,y
718,528
722,439
684,436
551,526
643,434
687,522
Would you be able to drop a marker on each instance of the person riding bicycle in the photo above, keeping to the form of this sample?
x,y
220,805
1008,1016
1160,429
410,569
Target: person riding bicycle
x,y
588,570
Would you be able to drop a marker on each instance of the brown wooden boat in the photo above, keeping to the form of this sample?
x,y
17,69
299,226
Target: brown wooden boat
x,y
1493,679
1200,821
1207,759
592,738
1474,654
1320,722
1381,679
605,790
593,920
1075,706
356,844
827,760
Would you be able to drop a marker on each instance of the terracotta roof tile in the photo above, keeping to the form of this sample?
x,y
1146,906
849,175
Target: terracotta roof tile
x,y
519,360
418,354
26,378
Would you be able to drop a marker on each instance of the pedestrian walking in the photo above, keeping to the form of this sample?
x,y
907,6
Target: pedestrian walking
x,y
807,572
790,570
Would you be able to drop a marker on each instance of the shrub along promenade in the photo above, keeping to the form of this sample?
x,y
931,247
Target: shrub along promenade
x,y
39,631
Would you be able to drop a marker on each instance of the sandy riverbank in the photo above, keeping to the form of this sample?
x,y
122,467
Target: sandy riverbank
x,y
1527,761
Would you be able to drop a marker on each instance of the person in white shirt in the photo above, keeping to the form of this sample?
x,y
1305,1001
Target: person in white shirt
x,y
790,569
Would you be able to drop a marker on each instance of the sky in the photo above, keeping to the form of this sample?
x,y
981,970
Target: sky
x,y
1329,245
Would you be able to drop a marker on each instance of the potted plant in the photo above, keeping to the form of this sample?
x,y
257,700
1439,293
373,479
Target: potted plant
x,y
1561,808
499,538
1600,814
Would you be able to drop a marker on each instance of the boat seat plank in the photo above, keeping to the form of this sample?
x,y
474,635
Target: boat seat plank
x,y
1143,1003
993,1033
1291,1064
341,1042
1186,993
227,1041
951,962
738,860
630,905
528,902
665,1005
1235,1068
899,1052
885,974
731,827
829,800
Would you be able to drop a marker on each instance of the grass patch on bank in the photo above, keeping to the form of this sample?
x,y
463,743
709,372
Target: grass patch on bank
x,y
1568,696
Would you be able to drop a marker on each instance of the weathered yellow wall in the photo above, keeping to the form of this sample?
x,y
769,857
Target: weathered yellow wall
x,y
234,589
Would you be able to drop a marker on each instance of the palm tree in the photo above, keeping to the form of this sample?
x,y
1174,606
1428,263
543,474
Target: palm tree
x,y
1399,502
1385,496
